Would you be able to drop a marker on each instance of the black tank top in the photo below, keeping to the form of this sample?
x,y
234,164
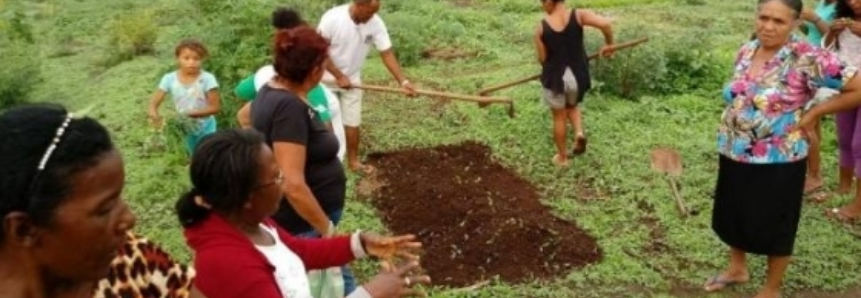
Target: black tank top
x,y
565,49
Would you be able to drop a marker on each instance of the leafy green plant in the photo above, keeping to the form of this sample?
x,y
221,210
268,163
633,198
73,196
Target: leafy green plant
x,y
129,35
20,71
671,64
610,190
16,26
407,44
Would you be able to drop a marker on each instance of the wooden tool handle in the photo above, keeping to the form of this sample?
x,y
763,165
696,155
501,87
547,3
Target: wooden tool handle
x,y
464,97
620,46
623,45
488,90
680,204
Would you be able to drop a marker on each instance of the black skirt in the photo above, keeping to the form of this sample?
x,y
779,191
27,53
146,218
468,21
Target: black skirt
x,y
757,206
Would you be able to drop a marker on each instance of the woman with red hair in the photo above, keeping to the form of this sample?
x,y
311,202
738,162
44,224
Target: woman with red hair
x,y
305,150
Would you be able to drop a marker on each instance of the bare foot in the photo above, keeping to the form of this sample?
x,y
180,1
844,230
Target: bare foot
x,y
812,183
726,279
765,293
362,169
560,160
848,214
845,185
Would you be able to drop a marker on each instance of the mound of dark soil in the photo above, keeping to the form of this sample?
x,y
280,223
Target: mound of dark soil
x,y
476,218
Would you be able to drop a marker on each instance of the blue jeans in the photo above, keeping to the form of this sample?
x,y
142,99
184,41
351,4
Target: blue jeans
x,y
349,280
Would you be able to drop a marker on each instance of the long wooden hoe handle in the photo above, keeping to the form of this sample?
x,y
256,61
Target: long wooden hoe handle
x,y
481,100
464,97
620,46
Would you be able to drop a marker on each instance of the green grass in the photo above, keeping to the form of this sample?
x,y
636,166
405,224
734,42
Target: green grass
x,y
72,35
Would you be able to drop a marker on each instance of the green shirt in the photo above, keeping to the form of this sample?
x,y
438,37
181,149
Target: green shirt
x,y
246,91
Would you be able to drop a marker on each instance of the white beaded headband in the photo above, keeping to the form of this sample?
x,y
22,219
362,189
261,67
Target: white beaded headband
x,y
58,136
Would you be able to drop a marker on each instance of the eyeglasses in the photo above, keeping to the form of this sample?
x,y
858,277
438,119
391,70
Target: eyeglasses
x,y
279,180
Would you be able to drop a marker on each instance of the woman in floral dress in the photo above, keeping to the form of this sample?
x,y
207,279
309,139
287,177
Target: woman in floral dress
x,y
762,145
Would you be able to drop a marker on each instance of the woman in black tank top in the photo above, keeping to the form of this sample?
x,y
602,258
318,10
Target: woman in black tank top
x,y
565,68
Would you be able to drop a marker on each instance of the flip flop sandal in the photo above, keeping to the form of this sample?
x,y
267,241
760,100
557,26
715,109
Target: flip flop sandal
x,y
813,189
837,214
849,223
819,196
720,283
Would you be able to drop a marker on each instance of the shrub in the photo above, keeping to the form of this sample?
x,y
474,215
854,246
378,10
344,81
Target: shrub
x,y
19,74
671,64
408,43
238,47
19,58
239,38
131,35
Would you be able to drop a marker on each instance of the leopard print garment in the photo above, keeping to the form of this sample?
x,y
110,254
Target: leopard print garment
x,y
143,270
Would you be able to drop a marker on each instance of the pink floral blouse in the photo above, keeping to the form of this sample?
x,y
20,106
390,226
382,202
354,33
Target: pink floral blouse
x,y
763,110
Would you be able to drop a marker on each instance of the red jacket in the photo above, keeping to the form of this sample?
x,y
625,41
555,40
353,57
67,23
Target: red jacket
x,y
229,266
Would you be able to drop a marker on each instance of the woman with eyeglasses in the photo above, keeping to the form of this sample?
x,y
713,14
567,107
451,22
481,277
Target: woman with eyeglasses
x,y
241,252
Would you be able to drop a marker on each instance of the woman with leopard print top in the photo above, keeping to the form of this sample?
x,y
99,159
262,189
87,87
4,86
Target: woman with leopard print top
x,y
62,216
142,269
65,230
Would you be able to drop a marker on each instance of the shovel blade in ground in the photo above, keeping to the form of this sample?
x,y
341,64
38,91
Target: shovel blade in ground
x,y
669,162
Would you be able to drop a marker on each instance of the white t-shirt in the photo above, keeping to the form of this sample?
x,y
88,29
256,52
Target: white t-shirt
x,y
263,76
290,274
266,73
337,124
350,43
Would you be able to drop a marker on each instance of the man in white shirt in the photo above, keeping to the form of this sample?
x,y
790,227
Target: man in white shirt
x,y
352,29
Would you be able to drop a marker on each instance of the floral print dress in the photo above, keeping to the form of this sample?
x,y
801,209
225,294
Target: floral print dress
x,y
759,123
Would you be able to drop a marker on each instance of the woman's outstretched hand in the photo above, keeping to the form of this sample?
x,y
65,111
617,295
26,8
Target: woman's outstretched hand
x,y
386,248
397,282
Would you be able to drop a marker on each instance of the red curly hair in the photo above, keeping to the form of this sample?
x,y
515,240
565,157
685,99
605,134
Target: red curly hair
x,y
297,52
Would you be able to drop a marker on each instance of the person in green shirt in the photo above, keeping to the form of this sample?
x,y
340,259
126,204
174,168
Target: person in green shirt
x,y
247,91
324,101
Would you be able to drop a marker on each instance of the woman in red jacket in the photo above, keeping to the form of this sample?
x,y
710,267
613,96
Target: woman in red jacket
x,y
240,252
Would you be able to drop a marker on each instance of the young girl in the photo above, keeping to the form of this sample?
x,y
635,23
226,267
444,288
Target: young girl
x,y
565,68
816,23
194,92
846,31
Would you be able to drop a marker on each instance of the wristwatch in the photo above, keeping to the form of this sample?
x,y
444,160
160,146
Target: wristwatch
x,y
404,82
